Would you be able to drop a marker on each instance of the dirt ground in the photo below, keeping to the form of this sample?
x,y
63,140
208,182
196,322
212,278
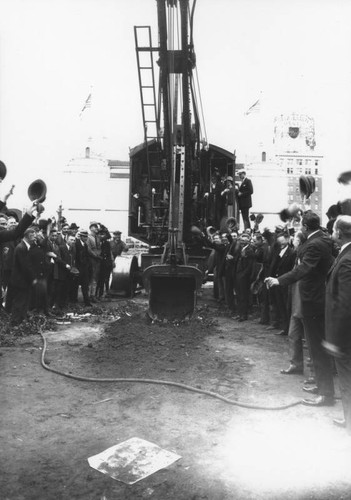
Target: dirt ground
x,y
50,424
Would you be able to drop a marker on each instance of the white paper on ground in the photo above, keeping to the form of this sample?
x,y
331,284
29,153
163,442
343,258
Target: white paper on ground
x,y
132,460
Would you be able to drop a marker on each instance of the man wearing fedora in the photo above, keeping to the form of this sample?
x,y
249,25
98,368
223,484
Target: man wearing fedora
x,y
94,251
83,264
244,192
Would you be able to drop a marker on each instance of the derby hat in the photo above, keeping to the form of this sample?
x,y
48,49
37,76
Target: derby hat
x,y
3,170
307,185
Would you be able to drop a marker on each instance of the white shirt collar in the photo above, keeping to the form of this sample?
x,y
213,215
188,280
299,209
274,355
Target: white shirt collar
x,y
282,251
314,232
27,244
344,246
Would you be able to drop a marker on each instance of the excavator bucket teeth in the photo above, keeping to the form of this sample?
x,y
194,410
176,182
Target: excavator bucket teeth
x,y
172,291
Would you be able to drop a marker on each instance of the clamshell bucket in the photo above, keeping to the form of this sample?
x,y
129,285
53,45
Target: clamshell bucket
x,y
172,290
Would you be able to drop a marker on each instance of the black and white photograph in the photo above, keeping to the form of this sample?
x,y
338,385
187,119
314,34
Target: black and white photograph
x,y
175,249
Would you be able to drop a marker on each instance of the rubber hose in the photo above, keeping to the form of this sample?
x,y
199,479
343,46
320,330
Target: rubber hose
x,y
160,382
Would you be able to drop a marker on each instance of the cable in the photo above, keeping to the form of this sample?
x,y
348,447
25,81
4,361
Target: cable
x,y
159,382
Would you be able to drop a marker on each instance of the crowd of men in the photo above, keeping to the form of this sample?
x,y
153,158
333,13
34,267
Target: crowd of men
x,y
300,278
43,268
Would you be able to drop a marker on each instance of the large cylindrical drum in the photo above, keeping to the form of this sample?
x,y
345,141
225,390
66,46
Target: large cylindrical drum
x,y
124,277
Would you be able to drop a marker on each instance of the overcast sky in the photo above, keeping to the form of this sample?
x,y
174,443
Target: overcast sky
x,y
52,52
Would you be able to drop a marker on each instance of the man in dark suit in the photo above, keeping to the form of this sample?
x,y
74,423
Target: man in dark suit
x,y
315,261
244,192
83,264
282,262
338,314
22,278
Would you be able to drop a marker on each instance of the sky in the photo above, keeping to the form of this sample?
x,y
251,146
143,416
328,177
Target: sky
x,y
53,53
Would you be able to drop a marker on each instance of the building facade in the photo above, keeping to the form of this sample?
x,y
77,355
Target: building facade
x,y
295,151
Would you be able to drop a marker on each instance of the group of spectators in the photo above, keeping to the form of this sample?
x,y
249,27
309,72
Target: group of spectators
x,y
42,267
301,281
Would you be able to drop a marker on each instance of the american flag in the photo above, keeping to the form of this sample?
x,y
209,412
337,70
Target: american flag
x,y
87,104
255,108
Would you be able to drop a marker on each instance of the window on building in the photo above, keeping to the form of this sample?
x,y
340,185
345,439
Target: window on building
x,y
289,170
290,161
299,170
299,161
316,206
316,163
263,156
291,197
316,190
307,161
316,171
308,171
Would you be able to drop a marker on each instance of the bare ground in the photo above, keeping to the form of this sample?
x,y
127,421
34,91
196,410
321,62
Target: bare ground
x,y
51,424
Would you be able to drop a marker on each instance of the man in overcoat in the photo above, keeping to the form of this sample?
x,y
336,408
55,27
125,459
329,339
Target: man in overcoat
x,y
338,314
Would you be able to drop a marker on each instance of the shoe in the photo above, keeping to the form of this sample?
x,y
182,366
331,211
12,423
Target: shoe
x,y
339,422
281,333
319,401
292,370
271,327
310,380
313,389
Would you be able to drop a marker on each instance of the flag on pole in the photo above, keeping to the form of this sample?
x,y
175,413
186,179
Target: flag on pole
x,y
87,104
255,108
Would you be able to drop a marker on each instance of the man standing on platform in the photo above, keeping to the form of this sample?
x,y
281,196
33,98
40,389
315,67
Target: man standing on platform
x,y
244,192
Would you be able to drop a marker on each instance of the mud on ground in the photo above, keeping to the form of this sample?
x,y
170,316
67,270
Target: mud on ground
x,y
51,424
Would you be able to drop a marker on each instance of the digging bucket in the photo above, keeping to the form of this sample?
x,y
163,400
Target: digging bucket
x,y
172,290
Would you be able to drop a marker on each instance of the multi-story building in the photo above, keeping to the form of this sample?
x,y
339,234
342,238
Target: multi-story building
x,y
294,143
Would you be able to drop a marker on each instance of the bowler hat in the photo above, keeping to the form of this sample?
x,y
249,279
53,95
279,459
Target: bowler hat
x,y
3,170
307,185
93,223
344,177
117,232
83,232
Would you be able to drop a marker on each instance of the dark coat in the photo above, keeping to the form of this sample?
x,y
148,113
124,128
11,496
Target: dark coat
x,y
17,232
315,261
82,257
284,264
244,194
66,257
338,302
22,272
